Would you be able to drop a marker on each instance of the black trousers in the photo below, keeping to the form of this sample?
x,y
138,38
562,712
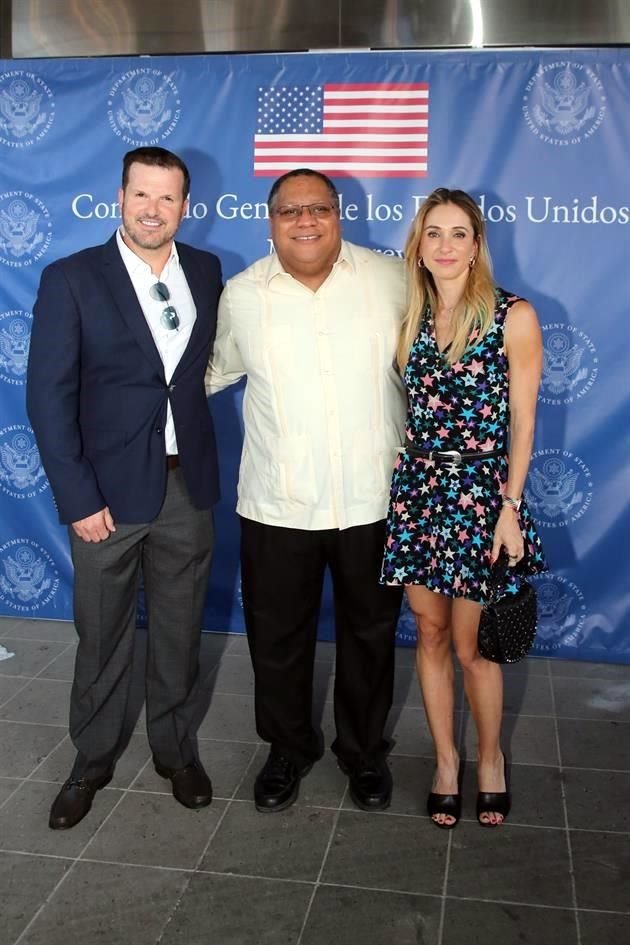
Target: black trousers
x,y
174,553
282,572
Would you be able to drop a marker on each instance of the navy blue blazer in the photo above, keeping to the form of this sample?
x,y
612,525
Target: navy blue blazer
x,y
97,395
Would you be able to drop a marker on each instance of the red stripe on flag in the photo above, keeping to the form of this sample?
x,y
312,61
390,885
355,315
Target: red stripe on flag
x,y
376,87
336,171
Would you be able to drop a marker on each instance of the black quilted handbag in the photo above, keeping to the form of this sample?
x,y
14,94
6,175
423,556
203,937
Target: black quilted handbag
x,y
507,627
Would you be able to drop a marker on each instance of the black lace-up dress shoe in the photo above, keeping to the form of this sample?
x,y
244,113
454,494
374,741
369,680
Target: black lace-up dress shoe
x,y
278,782
370,783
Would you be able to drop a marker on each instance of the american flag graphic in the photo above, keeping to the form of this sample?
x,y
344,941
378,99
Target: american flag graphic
x,y
352,130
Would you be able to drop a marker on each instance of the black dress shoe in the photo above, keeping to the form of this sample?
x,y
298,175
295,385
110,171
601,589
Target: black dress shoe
x,y
75,800
278,782
191,785
370,783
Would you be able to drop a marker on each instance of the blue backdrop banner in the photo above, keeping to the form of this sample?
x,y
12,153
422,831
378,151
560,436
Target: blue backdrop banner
x,y
539,138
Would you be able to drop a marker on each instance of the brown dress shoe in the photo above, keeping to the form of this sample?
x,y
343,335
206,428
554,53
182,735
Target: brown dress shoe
x,y
191,785
75,800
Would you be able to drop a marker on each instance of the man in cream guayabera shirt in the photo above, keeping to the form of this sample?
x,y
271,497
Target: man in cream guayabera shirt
x,y
315,327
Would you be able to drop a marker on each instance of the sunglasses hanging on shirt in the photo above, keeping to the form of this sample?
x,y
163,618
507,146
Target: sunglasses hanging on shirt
x,y
169,318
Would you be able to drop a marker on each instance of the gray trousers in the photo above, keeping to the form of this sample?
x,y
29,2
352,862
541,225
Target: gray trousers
x,y
173,552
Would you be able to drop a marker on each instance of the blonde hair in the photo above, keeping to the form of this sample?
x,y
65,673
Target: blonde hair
x,y
476,308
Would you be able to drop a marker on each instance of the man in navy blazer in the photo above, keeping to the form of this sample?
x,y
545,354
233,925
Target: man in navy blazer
x,y
115,394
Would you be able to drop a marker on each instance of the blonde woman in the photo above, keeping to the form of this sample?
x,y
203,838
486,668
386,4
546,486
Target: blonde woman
x,y
470,355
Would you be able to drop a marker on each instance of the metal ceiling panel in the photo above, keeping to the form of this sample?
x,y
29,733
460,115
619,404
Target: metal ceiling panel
x,y
51,28
434,24
129,27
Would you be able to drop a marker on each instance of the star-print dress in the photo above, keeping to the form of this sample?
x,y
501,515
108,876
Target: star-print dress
x,y
441,519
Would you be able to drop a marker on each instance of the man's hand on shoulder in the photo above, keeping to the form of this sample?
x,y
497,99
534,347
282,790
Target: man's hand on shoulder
x,y
95,527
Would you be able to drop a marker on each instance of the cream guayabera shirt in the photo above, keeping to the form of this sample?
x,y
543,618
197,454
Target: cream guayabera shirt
x,y
324,407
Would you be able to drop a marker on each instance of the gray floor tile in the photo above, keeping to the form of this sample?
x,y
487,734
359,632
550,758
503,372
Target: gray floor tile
x,y
212,651
9,625
225,762
323,681
63,666
233,674
383,875
101,904
60,630
9,685
600,928
598,800
588,744
405,656
412,779
529,739
285,845
325,785
23,747
590,698
7,788
523,694
478,923
154,830
326,651
214,646
406,687
24,821
410,733
510,863
324,718
230,718
601,862
31,656
342,916
236,910
531,666
25,882
43,700
529,695
387,851
581,670
237,643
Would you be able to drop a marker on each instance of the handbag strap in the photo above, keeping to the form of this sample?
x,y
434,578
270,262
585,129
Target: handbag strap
x,y
499,572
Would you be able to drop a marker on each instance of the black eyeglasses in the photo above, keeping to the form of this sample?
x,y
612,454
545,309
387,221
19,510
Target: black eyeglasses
x,y
294,211
169,317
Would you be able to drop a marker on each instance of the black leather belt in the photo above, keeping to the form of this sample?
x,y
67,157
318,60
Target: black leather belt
x,y
172,461
453,457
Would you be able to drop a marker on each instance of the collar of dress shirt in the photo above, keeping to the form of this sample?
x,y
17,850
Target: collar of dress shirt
x,y
345,258
133,262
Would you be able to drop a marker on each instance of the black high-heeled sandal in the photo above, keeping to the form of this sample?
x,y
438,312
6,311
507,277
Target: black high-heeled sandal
x,y
495,802
448,804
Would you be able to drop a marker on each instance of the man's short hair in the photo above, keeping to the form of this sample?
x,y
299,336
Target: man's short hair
x,y
154,157
302,172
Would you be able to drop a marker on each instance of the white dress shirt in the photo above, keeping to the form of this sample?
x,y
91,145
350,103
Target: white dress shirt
x,y
171,343
324,406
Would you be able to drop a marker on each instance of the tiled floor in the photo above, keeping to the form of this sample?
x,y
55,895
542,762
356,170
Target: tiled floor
x,y
142,870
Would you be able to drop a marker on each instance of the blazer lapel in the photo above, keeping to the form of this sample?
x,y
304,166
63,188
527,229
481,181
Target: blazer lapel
x,y
123,292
